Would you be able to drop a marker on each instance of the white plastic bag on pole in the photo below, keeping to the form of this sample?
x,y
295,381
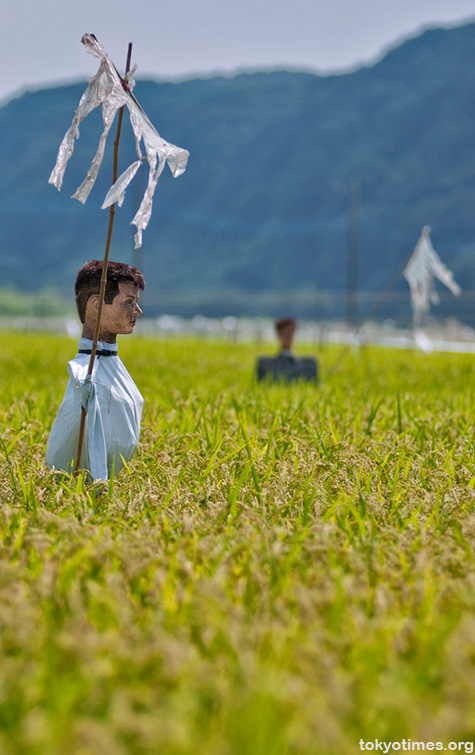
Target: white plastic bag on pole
x,y
424,265
109,89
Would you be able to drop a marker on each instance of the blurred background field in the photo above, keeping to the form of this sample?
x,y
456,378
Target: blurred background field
x,y
276,571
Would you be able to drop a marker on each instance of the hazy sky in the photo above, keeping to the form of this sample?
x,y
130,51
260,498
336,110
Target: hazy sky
x,y
184,38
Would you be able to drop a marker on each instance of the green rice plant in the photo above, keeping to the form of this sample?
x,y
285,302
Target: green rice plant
x,y
279,569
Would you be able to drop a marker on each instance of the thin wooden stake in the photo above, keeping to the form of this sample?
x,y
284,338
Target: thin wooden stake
x,y
382,296
103,284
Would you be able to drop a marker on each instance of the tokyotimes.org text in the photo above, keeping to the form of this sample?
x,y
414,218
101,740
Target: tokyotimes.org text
x,y
408,745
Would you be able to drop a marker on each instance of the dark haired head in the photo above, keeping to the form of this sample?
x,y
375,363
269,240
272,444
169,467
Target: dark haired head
x,y
88,282
285,322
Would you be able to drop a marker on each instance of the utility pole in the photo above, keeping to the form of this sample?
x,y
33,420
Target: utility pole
x,y
353,190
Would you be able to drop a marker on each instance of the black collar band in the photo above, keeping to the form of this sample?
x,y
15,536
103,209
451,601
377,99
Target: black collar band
x,y
99,352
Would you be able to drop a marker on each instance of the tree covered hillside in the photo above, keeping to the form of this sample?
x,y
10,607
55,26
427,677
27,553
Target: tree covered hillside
x,y
263,204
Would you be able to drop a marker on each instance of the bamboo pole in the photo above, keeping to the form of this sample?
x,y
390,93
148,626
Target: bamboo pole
x,y
103,283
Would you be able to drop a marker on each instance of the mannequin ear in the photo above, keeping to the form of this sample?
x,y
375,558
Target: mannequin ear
x,y
93,303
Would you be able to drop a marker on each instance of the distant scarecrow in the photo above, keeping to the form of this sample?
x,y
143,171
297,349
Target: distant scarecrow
x,y
98,423
423,267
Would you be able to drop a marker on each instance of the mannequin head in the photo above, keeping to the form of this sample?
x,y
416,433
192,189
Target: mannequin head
x,y
285,328
120,309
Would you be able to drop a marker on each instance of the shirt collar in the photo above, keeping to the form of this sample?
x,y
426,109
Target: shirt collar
x,y
86,343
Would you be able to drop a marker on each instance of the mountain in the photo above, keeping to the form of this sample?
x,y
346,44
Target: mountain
x,y
263,205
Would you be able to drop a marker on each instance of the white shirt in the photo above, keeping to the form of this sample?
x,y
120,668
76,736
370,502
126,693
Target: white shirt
x,y
113,413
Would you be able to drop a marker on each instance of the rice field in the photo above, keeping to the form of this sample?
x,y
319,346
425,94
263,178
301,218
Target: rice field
x,y
277,571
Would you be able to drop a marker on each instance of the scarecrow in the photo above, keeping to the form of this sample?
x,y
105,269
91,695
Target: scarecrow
x,y
98,423
423,266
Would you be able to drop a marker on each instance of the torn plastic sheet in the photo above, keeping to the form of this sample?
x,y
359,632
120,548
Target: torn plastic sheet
x,y
106,88
116,192
423,266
